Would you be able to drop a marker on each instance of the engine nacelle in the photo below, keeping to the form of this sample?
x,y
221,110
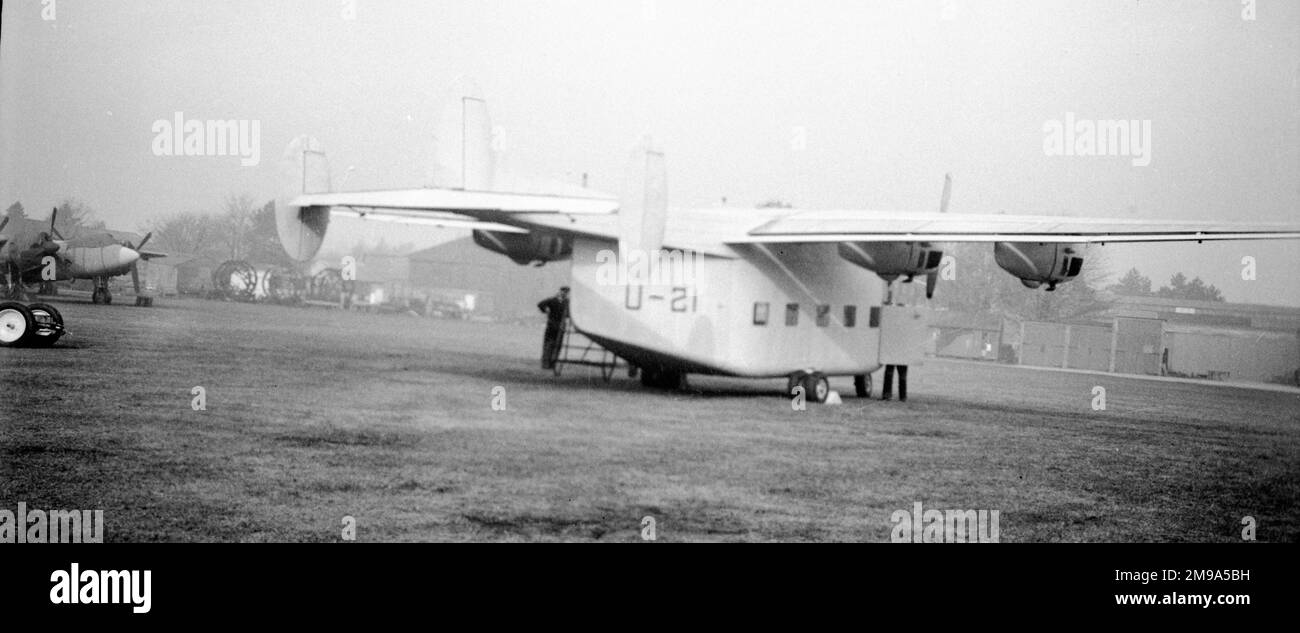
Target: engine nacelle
x,y
1037,263
527,248
889,260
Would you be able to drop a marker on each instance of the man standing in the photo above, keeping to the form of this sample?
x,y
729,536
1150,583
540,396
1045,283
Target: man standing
x,y
556,309
886,393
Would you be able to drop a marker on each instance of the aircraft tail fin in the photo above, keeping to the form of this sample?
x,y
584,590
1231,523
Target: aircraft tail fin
x,y
303,169
643,208
463,153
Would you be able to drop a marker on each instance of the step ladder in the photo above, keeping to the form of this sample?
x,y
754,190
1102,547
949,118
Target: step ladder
x,y
577,349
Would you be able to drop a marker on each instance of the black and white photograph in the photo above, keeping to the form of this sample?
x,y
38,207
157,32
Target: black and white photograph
x,y
649,271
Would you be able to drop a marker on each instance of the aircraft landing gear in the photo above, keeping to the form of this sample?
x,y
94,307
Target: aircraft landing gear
x,y
101,293
815,385
862,385
37,325
663,379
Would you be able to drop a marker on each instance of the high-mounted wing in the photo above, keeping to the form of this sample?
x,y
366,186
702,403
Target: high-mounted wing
x,y
903,226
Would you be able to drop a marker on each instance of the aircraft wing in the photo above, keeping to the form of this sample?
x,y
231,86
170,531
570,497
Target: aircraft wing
x,y
455,208
905,226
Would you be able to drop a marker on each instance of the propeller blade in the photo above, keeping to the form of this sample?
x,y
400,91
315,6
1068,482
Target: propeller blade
x,y
53,231
932,277
143,241
135,278
4,222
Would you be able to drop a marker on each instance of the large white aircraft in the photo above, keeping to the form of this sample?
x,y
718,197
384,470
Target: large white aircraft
x,y
758,293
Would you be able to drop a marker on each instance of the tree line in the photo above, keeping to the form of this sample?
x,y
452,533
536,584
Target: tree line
x,y
1135,284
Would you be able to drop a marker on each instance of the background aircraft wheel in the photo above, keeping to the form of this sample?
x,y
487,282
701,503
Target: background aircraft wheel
x,y
16,324
108,297
816,387
862,385
96,296
46,318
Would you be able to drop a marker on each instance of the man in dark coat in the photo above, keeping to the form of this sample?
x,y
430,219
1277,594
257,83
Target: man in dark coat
x,y
556,309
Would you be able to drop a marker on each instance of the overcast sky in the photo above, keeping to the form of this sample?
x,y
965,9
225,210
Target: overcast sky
x,y
823,104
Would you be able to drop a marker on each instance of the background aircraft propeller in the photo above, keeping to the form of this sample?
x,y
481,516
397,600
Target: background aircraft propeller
x,y
932,277
135,270
53,231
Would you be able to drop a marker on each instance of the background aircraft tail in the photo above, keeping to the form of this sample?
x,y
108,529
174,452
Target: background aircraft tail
x,y
303,169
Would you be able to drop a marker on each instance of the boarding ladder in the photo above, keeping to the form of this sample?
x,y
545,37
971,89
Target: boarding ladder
x,y
577,349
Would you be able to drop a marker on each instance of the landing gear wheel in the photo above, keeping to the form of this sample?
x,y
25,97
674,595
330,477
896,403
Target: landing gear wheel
x,y
816,387
16,324
96,296
49,324
862,385
795,380
108,297
661,379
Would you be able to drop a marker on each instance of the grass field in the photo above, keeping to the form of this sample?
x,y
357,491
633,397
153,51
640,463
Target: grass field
x,y
315,414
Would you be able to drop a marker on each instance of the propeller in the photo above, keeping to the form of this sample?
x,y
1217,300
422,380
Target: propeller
x,y
135,278
135,267
932,277
136,247
53,231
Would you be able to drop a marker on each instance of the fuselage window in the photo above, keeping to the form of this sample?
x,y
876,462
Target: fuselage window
x,y
823,315
760,313
792,314
850,316
874,317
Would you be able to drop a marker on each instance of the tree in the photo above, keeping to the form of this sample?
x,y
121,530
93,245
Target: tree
x,y
15,212
1195,290
75,217
775,203
192,233
1133,284
982,286
238,220
263,240
242,232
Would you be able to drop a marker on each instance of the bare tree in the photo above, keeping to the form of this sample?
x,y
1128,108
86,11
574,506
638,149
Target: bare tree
x,y
192,232
239,220
75,218
982,286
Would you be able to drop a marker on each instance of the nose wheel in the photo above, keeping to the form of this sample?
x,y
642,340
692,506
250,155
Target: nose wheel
x,y
101,293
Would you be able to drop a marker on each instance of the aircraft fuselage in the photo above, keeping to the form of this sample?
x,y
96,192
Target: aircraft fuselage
x,y
768,311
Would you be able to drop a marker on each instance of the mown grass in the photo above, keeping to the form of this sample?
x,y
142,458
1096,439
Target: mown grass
x,y
313,415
